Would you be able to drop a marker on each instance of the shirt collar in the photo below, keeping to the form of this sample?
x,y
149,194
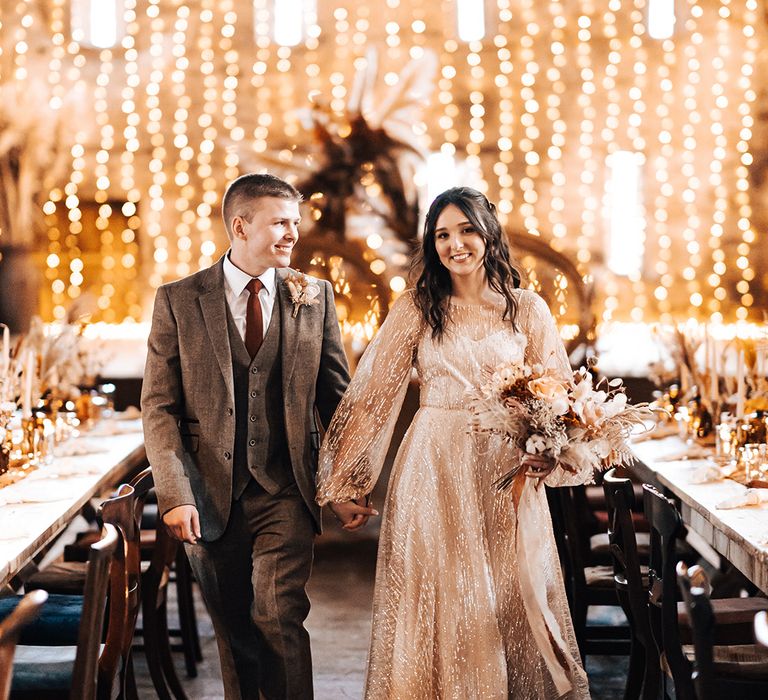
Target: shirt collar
x,y
237,280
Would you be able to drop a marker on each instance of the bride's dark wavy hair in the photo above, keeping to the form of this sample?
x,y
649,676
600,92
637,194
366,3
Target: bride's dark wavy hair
x,y
433,287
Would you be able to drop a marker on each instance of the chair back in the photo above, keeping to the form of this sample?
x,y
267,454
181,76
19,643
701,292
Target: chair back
x,y
666,529
569,539
620,502
25,612
123,511
85,673
694,587
155,577
627,573
761,629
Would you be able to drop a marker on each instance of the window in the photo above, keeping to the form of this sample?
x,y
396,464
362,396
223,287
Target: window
x,y
96,23
470,19
626,222
661,18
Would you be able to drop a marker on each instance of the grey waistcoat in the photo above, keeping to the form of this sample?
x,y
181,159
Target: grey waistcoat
x,y
261,447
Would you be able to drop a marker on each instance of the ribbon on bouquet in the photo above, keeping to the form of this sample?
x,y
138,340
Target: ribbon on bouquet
x,y
530,546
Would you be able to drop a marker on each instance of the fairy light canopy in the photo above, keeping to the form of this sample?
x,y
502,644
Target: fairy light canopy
x,y
534,103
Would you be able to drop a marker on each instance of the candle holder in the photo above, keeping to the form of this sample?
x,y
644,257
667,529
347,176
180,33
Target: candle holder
x,y
752,428
6,436
29,441
46,435
698,420
87,409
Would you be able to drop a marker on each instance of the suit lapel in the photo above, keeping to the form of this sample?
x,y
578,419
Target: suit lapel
x,y
289,328
214,307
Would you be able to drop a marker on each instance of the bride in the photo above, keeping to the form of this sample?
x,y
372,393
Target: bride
x,y
469,600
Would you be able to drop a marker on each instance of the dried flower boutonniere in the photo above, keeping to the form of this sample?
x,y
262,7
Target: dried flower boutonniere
x,y
303,291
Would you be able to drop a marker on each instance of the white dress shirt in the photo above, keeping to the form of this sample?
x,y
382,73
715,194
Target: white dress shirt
x,y
237,295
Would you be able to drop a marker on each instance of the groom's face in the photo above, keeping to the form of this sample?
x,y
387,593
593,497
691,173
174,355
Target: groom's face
x,y
267,239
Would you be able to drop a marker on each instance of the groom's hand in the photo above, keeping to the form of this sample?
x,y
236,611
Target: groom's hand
x,y
184,523
351,515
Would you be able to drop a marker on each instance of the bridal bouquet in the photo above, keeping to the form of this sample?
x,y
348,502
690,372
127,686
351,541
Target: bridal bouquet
x,y
575,422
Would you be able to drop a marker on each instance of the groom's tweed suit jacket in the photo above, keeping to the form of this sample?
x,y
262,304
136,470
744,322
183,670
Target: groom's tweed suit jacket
x,y
188,397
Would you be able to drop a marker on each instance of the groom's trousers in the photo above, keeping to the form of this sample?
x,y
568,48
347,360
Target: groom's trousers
x,y
253,582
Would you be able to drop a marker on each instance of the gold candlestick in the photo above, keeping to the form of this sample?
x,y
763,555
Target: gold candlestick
x,y
29,440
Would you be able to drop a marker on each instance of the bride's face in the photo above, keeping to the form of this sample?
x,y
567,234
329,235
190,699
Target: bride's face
x,y
459,246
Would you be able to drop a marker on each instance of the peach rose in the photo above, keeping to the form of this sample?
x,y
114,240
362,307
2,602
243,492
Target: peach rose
x,y
551,389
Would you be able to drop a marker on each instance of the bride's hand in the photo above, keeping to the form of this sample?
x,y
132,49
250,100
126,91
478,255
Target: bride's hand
x,y
351,515
537,466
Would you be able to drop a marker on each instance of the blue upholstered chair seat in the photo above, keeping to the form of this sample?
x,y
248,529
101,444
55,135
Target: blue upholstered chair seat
x,y
57,625
43,668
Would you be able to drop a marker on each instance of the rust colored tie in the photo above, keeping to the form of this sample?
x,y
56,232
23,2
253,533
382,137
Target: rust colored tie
x,y
254,323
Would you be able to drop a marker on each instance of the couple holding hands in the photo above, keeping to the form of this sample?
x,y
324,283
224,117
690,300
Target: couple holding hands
x,y
245,368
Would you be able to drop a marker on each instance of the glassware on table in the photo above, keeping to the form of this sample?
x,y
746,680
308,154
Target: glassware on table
x,y
726,439
46,438
106,395
752,457
88,406
682,416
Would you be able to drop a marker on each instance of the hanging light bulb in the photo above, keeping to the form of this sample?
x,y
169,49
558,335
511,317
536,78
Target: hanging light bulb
x,y
470,17
661,18
290,20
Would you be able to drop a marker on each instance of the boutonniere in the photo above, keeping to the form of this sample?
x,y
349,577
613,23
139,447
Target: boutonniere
x,y
303,291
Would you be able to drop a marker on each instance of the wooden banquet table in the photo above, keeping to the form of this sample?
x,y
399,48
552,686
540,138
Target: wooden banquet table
x,y
739,534
35,509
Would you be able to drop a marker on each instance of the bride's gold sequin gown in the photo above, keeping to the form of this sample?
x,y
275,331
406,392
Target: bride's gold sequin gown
x,y
463,608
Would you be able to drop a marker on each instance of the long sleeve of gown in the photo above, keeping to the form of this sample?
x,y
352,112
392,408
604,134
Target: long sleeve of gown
x,y
358,437
546,347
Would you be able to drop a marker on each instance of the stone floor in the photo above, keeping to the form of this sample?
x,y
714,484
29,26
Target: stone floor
x,y
341,590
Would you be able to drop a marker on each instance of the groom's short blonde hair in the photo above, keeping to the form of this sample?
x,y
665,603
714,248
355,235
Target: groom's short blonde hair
x,y
242,192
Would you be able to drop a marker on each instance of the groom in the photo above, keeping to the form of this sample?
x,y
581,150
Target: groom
x,y
240,366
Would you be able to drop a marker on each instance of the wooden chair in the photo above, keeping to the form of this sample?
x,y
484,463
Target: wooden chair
x,y
181,576
25,612
44,670
669,620
154,596
586,584
761,629
67,577
738,671
631,581
122,511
